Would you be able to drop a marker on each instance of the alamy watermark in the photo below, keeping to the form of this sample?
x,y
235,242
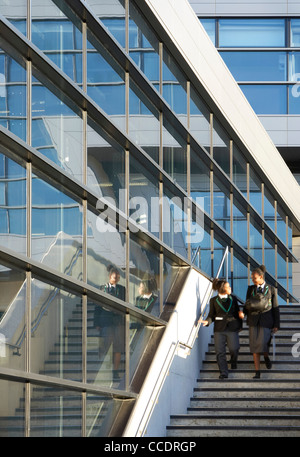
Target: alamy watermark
x,y
296,87
171,215
296,347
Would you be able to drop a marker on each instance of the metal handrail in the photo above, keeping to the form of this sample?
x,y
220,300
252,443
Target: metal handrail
x,y
165,369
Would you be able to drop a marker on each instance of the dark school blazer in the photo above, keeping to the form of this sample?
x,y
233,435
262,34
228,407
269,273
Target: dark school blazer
x,y
267,319
224,321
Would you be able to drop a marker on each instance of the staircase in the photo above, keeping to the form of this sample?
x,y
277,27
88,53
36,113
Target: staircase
x,y
240,405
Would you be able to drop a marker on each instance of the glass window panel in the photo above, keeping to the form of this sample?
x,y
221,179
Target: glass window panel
x,y
174,87
294,66
252,32
239,170
256,66
144,123
255,193
105,81
290,235
281,224
174,155
200,181
218,254
290,276
12,395
240,276
143,198
105,345
13,95
266,99
12,318
239,224
255,240
12,205
62,419
105,249
269,253
221,204
144,278
294,98
199,120
281,269
170,273
269,208
210,28
16,13
200,243
101,412
295,32
140,334
60,34
56,332
56,228
57,127
221,147
175,222
105,165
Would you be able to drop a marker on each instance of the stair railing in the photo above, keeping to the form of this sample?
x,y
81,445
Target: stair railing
x,y
186,347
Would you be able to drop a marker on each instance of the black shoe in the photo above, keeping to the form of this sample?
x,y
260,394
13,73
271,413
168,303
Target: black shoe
x,y
268,363
257,375
233,365
223,376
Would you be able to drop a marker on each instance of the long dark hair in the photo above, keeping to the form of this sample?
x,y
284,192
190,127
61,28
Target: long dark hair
x,y
261,270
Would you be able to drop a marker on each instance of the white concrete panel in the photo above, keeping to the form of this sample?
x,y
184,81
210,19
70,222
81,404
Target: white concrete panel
x,y
213,74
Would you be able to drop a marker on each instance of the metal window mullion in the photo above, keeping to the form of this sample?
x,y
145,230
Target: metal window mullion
x,y
84,360
27,351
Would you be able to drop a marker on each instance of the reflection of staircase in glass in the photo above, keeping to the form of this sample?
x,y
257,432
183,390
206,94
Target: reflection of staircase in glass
x,y
56,411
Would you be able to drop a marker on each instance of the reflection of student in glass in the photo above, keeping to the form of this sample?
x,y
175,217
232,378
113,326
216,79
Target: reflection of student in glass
x,y
110,324
146,297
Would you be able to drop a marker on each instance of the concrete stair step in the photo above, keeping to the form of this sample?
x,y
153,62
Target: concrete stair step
x,y
249,392
232,420
233,431
246,402
247,383
240,411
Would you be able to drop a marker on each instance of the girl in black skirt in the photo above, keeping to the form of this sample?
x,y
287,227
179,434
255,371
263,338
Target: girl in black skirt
x,y
263,318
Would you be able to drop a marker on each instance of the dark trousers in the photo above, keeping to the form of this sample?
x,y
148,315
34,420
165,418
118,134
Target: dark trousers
x,y
233,343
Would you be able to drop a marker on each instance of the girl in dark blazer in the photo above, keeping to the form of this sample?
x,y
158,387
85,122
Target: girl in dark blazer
x,y
263,317
224,312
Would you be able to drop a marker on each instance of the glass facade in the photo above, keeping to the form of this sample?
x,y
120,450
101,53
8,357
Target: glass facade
x,y
263,56
115,173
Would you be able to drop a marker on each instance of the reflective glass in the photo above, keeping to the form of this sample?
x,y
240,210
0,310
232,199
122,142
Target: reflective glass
x,y
199,120
200,244
290,277
56,332
200,181
269,208
290,235
16,13
170,273
221,204
143,45
105,81
144,278
144,123
240,277
105,250
59,36
12,205
239,224
175,222
12,319
266,99
281,224
269,255
282,269
105,345
239,170
252,32
221,147
218,253
256,66
143,198
174,154
255,240
255,193
174,87
55,412
294,66
112,15
294,100
105,165
101,411
295,32
210,28
56,228
139,335
12,395
13,95
57,127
